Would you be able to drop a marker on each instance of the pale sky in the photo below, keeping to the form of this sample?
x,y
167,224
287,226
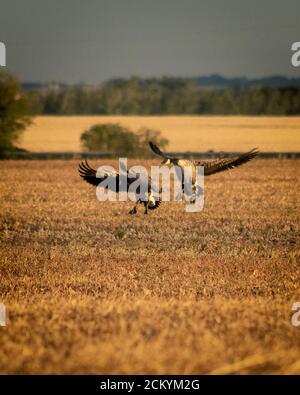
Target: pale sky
x,y
95,40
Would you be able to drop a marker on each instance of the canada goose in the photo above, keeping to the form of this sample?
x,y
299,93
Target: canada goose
x,y
210,166
90,176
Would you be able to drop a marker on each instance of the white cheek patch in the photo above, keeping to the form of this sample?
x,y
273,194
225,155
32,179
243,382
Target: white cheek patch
x,y
152,201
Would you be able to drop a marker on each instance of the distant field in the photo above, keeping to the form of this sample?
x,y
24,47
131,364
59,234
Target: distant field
x,y
91,289
185,133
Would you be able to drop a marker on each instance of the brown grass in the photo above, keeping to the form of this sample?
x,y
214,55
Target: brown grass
x,y
185,133
89,289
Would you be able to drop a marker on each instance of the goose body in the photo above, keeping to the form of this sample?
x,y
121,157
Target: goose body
x,y
90,175
210,166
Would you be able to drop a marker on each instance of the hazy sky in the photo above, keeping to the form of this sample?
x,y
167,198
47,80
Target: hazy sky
x,y
94,40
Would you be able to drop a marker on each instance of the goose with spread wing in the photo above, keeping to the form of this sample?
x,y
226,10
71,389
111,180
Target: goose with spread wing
x,y
210,166
91,176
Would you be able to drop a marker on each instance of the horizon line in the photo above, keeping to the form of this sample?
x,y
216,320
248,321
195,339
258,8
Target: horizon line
x,y
133,76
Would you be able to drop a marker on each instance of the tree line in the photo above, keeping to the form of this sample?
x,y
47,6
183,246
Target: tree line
x,y
163,96
134,96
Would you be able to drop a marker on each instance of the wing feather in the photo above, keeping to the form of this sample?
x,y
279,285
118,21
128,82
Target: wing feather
x,y
218,165
158,152
90,175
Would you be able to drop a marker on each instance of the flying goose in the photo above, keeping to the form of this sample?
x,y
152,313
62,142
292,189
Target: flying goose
x,y
90,175
210,166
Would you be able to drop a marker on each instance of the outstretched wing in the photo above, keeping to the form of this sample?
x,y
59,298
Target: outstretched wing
x,y
90,175
158,152
218,165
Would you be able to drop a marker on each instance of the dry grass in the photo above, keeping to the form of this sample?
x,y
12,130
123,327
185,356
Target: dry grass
x,y
185,133
89,289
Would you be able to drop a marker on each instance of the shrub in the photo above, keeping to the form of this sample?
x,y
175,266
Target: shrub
x,y
121,141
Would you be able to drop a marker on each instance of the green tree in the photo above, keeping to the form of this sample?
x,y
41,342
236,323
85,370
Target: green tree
x,y
120,141
112,138
14,112
163,96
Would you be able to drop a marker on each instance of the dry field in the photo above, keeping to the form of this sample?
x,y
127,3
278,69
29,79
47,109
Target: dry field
x,y
90,289
185,133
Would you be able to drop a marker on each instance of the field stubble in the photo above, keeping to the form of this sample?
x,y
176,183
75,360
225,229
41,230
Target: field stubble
x,y
90,289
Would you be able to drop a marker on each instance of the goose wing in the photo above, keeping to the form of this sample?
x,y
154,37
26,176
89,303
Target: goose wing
x,y
158,152
90,175
222,164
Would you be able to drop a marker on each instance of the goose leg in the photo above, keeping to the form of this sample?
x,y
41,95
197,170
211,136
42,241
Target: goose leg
x,y
134,210
146,208
195,193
